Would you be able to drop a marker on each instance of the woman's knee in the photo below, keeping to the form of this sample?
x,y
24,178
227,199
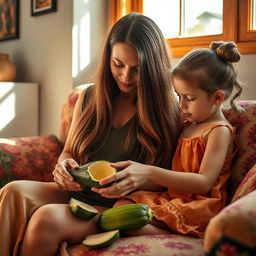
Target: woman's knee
x,y
43,231
44,220
13,188
19,186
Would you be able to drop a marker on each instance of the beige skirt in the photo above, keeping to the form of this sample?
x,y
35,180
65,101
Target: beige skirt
x,y
18,201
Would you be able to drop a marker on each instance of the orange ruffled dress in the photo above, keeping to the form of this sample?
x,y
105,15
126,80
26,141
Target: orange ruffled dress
x,y
183,212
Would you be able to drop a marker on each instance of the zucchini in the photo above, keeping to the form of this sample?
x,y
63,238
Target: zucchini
x,y
81,209
126,217
101,239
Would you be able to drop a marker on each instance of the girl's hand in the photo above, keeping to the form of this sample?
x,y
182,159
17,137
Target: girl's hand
x,y
62,176
129,179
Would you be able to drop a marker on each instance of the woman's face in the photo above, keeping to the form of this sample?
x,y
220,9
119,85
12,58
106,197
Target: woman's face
x,y
124,66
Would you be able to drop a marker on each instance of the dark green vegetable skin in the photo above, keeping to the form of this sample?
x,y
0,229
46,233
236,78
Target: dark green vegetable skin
x,y
82,176
126,217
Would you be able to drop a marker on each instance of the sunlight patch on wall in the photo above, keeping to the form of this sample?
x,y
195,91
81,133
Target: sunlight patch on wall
x,y
85,56
7,105
75,51
81,37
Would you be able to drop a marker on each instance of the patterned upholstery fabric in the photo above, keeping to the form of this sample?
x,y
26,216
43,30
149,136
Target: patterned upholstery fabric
x,y
162,245
245,123
247,185
34,158
30,158
233,230
67,111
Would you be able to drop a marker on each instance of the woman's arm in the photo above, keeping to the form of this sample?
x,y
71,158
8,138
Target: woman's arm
x,y
138,176
65,161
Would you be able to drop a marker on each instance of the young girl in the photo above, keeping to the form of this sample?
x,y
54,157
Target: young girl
x,y
201,165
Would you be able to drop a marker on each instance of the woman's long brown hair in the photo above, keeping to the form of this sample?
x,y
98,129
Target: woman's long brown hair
x,y
153,135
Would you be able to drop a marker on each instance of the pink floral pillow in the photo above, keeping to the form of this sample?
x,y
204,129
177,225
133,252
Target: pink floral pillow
x,y
245,123
31,158
247,185
68,109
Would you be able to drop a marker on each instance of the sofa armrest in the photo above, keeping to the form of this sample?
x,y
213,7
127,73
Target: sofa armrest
x,y
247,185
233,229
31,158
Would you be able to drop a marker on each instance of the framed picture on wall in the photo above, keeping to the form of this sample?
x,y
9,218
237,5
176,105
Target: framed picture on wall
x,y
39,7
9,19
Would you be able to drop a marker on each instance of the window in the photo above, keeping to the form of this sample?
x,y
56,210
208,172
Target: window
x,y
188,24
254,15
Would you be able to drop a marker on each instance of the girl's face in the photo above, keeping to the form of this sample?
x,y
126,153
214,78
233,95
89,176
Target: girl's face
x,y
124,66
195,104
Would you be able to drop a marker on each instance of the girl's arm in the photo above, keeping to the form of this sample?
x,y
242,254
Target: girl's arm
x,y
138,176
217,146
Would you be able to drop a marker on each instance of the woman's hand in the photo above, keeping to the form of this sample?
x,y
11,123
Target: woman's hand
x,y
62,176
129,179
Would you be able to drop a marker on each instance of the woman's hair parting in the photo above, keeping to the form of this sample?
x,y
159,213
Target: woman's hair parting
x,y
212,69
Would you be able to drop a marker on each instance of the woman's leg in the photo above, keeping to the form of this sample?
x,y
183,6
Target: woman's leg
x,y
18,201
52,224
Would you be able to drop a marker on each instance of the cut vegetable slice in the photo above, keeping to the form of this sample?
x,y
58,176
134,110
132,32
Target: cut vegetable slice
x,y
100,169
101,239
81,209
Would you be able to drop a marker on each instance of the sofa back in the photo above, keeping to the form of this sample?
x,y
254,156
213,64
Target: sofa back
x,y
68,109
245,123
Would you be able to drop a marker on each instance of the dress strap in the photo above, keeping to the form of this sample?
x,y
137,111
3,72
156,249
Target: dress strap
x,y
232,130
209,129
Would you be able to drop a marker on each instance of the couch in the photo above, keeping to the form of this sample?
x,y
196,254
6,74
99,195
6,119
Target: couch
x,y
230,232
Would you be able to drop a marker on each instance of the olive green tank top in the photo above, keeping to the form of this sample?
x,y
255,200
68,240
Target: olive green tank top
x,y
112,151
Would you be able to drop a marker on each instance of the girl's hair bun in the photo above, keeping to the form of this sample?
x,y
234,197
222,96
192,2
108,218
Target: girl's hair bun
x,y
226,50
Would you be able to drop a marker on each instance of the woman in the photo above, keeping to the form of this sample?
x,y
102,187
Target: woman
x,y
130,113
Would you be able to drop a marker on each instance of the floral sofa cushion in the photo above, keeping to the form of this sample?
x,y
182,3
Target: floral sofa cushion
x,y
245,124
31,158
162,245
68,109
247,185
233,230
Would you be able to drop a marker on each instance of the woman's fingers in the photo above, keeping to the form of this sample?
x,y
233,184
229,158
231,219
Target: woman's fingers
x,y
63,178
119,194
119,175
72,163
65,166
121,164
120,188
